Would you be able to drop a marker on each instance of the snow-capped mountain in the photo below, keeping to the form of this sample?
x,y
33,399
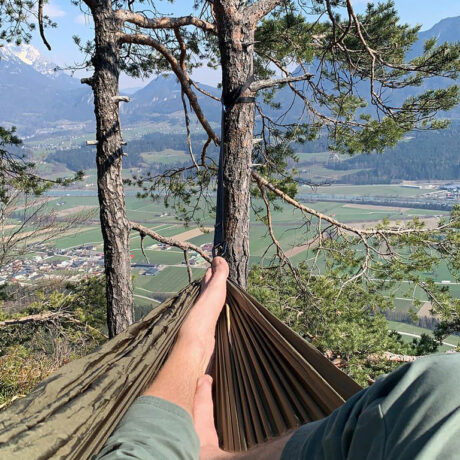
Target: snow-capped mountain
x,y
29,55
34,96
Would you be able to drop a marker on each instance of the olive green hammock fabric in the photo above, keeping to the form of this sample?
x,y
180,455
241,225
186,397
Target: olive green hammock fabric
x,y
267,380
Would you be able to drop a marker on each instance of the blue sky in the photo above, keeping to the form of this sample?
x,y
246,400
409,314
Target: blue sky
x,y
71,21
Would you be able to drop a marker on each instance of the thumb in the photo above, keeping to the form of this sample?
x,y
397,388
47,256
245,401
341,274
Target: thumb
x,y
203,413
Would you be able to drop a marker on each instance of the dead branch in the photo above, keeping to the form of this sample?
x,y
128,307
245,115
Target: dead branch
x,y
120,99
260,9
388,356
43,317
142,235
184,245
46,317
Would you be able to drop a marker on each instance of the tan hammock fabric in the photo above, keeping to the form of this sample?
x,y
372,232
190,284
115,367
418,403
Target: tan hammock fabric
x,y
267,380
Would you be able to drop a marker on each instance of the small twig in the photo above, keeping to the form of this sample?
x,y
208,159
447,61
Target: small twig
x,y
189,269
142,235
203,151
203,91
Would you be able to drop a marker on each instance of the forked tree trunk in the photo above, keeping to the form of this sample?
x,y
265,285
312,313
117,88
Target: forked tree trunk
x,y
114,222
236,38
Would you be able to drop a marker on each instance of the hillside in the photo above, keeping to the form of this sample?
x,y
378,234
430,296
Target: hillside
x,y
422,156
144,152
37,96
44,104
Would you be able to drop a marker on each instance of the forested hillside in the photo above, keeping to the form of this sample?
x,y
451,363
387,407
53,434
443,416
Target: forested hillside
x,y
432,155
82,157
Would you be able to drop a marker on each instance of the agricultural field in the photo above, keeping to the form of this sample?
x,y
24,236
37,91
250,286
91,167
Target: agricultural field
x,y
288,229
372,190
169,280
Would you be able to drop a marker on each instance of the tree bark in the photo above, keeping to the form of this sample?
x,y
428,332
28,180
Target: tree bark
x,y
114,223
236,38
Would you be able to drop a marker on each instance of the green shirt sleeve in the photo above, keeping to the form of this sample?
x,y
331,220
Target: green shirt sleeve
x,y
153,429
410,414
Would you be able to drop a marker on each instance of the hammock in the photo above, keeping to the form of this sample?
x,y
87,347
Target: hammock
x,y
267,380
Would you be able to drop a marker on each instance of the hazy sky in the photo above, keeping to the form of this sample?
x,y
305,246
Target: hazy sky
x,y
71,21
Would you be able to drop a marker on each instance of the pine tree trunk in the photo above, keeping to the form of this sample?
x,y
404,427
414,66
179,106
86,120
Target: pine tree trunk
x,y
114,222
236,46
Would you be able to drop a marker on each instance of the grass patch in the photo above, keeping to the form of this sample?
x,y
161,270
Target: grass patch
x,y
170,257
170,279
372,190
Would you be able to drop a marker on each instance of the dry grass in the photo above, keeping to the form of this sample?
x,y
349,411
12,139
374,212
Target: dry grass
x,y
74,210
21,371
188,235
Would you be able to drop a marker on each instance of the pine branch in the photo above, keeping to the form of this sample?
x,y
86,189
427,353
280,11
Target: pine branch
x,y
164,23
269,83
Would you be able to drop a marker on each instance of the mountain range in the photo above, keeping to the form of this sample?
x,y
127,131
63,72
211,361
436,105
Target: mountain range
x,y
37,96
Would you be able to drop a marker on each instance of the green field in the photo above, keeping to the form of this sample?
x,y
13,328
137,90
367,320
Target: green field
x,y
288,229
169,257
93,236
373,190
170,279
410,329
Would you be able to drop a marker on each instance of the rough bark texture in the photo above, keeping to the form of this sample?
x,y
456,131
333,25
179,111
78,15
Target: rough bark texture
x,y
114,223
236,38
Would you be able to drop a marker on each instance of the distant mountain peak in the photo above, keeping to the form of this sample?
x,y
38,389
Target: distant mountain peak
x,y
452,21
29,55
446,30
